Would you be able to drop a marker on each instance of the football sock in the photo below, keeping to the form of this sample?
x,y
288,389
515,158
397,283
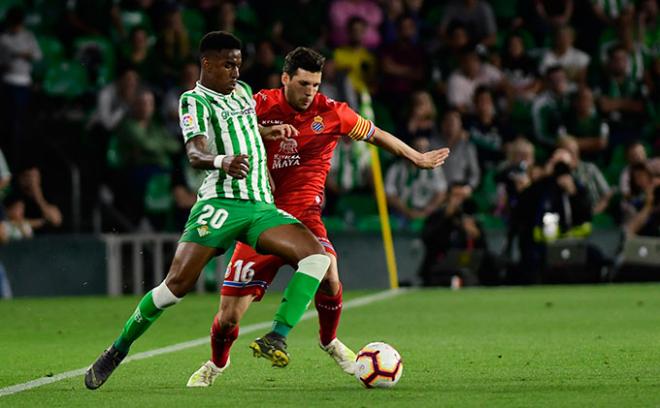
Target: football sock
x,y
148,310
299,292
329,310
282,329
221,342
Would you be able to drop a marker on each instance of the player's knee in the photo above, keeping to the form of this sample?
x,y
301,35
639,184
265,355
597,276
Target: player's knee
x,y
229,320
163,296
228,324
329,286
179,285
315,265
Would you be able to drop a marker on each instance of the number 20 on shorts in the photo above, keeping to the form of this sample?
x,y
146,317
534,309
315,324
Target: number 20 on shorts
x,y
217,216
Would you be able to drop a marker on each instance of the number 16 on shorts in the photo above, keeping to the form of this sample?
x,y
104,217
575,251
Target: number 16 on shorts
x,y
239,271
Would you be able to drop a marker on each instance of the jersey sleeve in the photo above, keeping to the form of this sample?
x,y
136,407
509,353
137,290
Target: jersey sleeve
x,y
259,102
353,125
193,116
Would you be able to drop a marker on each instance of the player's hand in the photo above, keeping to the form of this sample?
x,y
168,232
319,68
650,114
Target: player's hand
x,y
432,159
236,166
278,132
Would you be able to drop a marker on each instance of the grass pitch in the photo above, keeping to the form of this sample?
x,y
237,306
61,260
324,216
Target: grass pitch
x,y
509,347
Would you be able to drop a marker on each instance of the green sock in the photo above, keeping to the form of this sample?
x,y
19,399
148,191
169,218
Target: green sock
x,y
297,297
145,314
282,329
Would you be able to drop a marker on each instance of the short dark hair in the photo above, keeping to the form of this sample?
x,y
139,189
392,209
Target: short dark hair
x,y
452,111
640,167
455,25
614,49
403,17
12,198
124,68
218,41
303,58
560,169
632,143
468,50
355,20
552,69
15,16
481,89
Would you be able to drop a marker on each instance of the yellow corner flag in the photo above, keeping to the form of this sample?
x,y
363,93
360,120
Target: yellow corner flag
x,y
388,244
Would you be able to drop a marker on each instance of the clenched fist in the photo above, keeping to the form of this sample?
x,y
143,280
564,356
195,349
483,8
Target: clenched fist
x,y
236,166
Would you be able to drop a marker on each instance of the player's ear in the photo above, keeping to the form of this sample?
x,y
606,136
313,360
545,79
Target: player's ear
x,y
285,78
205,62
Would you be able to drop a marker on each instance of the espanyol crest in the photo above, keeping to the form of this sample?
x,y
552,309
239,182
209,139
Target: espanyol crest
x,y
317,124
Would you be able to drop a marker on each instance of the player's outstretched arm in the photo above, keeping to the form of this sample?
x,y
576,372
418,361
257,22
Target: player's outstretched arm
x,y
394,145
199,157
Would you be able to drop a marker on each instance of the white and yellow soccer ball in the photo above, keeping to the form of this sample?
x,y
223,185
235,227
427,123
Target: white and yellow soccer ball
x,y
378,365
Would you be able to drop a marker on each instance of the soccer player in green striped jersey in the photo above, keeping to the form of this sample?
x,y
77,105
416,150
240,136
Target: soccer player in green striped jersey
x,y
235,202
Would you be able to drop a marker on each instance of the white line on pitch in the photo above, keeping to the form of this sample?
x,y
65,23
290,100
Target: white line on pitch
x,y
358,302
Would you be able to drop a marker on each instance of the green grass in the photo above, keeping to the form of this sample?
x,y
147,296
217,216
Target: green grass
x,y
510,347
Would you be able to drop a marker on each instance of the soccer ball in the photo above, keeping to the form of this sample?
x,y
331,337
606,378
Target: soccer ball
x,y
378,365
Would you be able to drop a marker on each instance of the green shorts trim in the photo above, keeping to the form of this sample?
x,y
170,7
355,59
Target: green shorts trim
x,y
218,222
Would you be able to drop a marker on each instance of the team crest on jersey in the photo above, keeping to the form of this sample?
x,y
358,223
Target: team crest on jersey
x,y
203,231
187,121
317,124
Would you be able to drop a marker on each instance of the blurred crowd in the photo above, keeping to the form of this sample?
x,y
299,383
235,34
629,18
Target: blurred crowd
x,y
551,109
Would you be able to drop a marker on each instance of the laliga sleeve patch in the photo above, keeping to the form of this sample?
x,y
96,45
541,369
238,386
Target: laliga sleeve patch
x,y
188,122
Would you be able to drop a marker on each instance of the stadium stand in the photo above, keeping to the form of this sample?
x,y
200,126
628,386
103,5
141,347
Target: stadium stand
x,y
501,82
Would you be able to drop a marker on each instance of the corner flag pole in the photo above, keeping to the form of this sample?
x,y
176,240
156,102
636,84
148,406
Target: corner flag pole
x,y
388,245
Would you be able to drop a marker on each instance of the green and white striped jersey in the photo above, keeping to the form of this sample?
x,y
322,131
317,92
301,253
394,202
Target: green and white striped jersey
x,y
229,123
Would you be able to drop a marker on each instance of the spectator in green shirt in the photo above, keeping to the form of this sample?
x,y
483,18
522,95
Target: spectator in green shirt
x,y
621,97
145,149
586,125
550,108
142,141
649,25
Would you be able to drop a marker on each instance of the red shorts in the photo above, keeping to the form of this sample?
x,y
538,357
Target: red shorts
x,y
249,273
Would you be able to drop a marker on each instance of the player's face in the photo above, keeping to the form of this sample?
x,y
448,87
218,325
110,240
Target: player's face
x,y
301,88
220,69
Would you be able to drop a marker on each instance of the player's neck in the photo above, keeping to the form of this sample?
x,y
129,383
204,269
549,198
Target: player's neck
x,y
208,84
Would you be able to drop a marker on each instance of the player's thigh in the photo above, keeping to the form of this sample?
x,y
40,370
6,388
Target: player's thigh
x,y
291,242
189,260
276,232
316,226
250,273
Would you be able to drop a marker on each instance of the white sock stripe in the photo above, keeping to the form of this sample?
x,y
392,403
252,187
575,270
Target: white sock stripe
x,y
314,265
163,296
